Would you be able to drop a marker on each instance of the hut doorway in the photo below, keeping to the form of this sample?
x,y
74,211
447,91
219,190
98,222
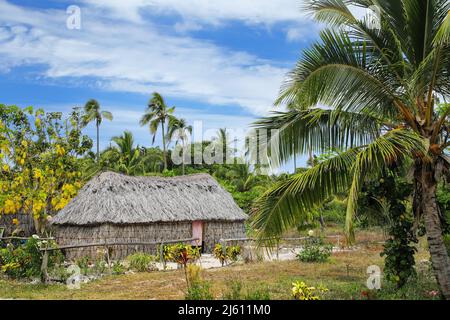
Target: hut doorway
x,y
197,232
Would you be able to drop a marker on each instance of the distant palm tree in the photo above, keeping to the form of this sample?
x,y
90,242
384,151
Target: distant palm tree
x,y
157,114
179,130
223,141
92,112
125,144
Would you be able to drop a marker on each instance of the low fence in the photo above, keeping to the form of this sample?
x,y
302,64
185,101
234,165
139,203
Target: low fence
x,y
106,245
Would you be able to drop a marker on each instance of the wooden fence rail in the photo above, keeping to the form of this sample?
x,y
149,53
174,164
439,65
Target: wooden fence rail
x,y
106,245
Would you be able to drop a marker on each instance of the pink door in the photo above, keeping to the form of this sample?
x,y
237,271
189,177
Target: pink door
x,y
197,232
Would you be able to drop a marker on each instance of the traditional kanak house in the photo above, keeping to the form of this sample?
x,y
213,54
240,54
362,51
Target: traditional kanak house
x,y
114,207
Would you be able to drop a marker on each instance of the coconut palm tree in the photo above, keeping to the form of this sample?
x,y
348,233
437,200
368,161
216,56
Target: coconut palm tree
x,y
92,112
381,87
223,141
181,131
158,114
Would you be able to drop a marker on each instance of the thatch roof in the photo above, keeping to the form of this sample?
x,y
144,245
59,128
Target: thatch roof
x,y
120,199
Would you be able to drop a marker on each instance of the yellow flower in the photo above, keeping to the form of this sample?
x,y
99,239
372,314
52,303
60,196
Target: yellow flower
x,y
60,151
15,221
6,168
10,207
37,122
37,174
24,143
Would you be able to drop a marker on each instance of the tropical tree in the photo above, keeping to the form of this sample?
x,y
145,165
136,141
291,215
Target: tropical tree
x,y
158,114
40,166
180,131
222,141
125,157
381,87
93,112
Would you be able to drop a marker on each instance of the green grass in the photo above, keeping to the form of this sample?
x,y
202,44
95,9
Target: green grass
x,y
344,275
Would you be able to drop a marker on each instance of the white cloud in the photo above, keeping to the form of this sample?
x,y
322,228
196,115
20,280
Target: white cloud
x,y
208,11
137,56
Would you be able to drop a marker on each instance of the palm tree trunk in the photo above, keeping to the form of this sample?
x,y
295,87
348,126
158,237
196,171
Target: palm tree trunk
x,y
164,145
98,141
431,212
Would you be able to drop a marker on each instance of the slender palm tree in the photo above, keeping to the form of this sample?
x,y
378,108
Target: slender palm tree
x,y
223,141
181,131
92,112
381,87
158,114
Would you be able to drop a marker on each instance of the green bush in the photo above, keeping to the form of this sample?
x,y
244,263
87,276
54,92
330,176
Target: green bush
x,y
315,250
447,243
141,262
230,253
118,268
199,290
25,260
235,292
83,263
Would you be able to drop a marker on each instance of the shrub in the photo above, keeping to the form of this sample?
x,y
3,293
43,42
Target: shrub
x,y
315,250
301,291
230,253
25,260
141,262
118,268
83,263
447,243
198,289
181,253
235,292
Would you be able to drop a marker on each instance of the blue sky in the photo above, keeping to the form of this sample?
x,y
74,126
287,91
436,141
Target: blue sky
x,y
218,61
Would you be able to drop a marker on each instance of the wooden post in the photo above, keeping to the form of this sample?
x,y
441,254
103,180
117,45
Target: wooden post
x,y
44,268
161,255
108,260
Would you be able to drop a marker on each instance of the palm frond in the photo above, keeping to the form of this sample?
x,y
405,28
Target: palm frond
x,y
391,148
289,201
317,130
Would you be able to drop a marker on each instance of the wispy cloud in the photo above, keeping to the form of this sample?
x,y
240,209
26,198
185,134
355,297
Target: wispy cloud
x,y
124,52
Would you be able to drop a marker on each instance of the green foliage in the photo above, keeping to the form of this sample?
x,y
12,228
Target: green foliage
x,y
229,253
181,253
117,268
25,260
198,289
235,292
83,263
443,199
447,243
389,195
141,262
301,291
314,250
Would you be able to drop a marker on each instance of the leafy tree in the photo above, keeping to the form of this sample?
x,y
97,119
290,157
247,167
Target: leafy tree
x,y
157,114
381,88
40,161
93,112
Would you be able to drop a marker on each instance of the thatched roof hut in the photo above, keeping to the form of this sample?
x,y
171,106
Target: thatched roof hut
x,y
114,206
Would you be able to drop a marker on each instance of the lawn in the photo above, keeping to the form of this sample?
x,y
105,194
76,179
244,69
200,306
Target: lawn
x,y
344,275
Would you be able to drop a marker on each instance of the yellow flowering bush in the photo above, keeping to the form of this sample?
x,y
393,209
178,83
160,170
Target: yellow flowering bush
x,y
40,165
301,291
